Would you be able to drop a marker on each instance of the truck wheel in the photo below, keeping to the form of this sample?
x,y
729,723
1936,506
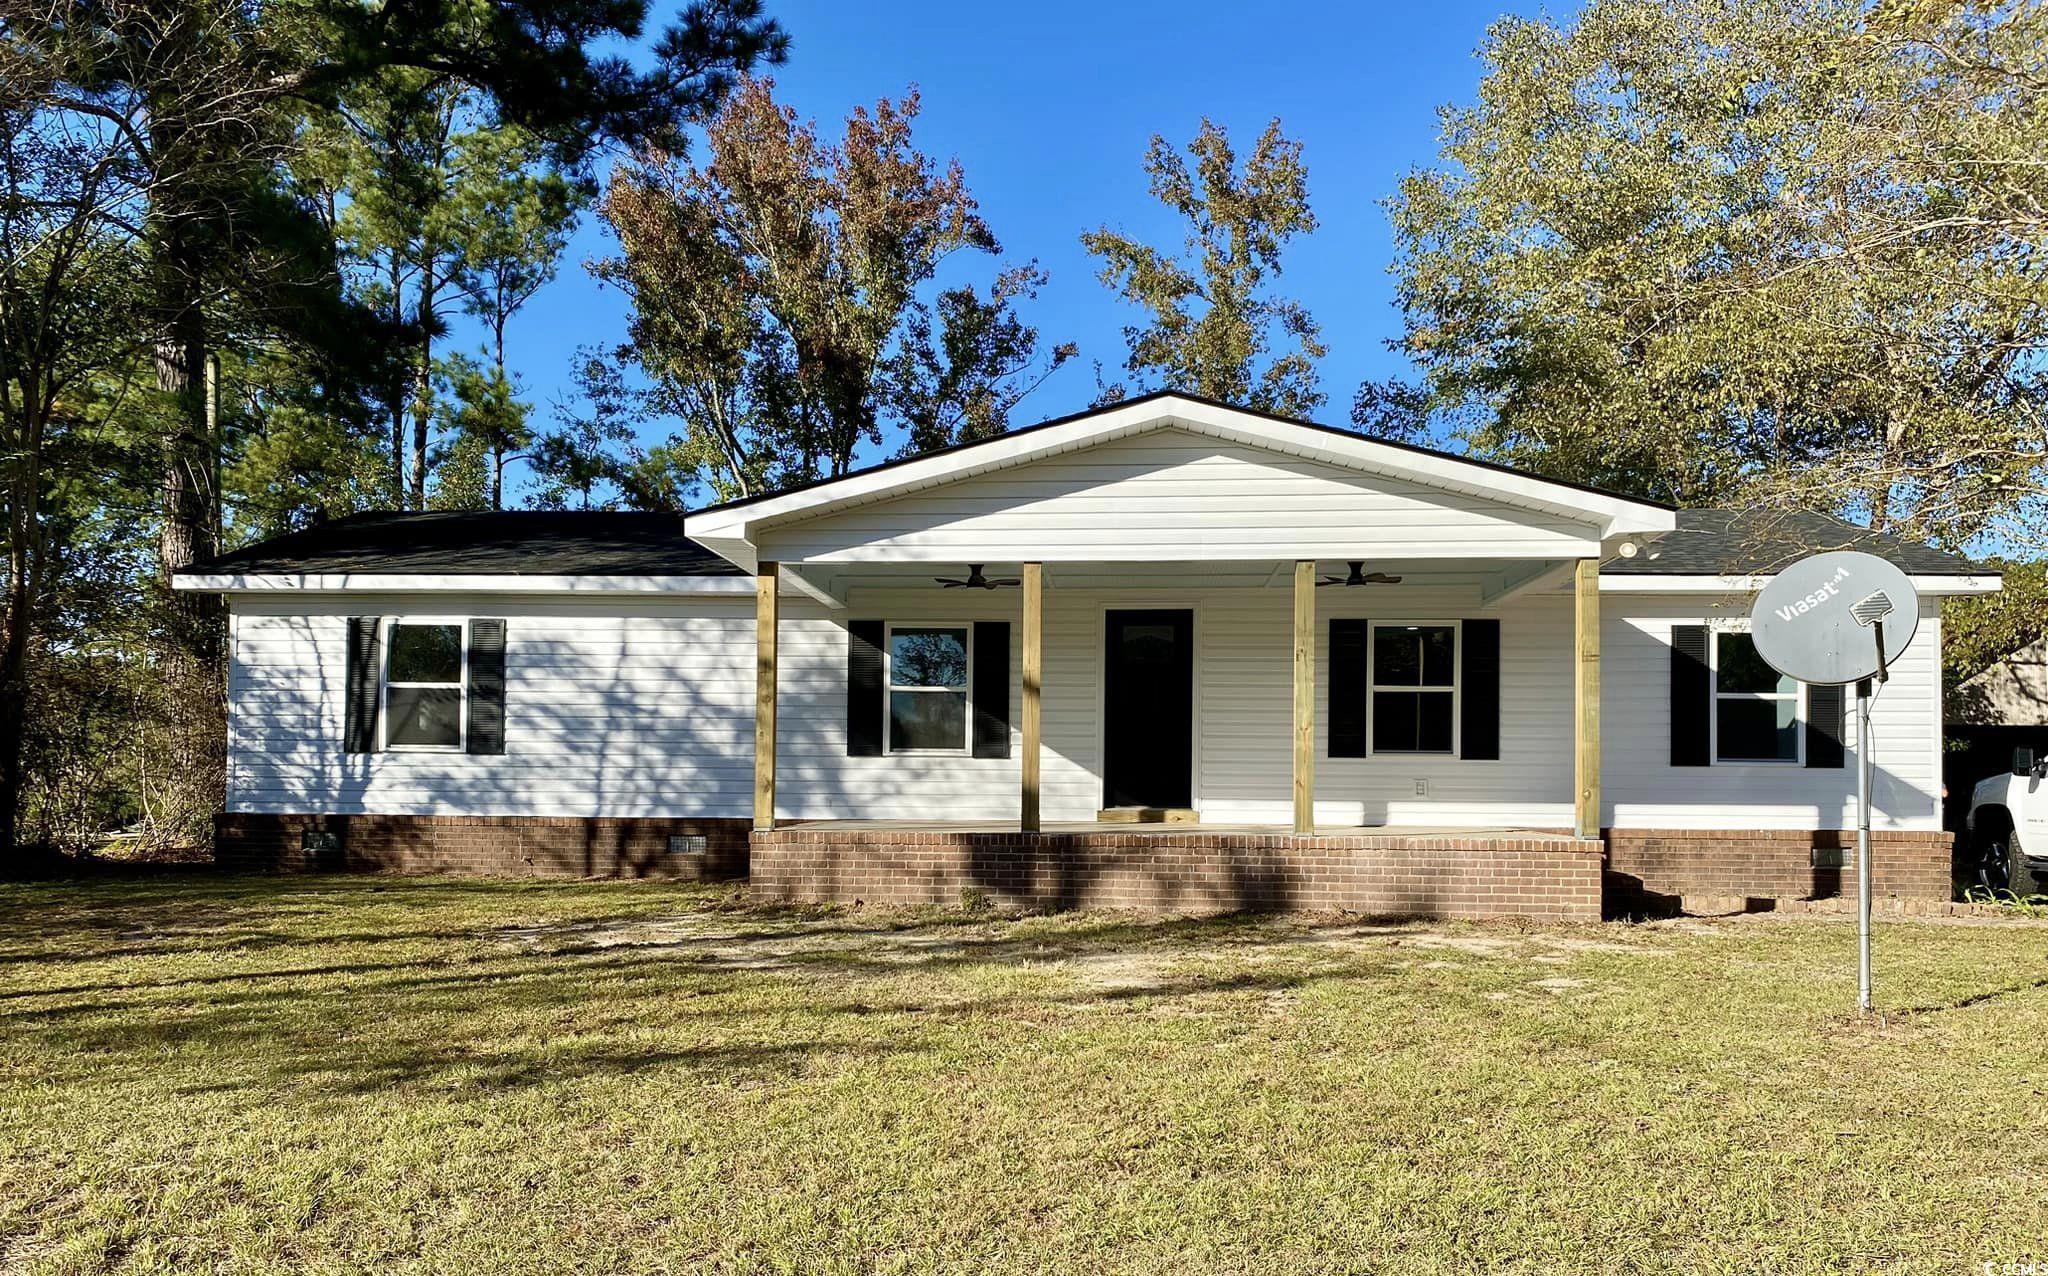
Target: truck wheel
x,y
1995,862
2019,879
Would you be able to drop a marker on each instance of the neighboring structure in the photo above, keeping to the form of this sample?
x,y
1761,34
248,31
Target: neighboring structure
x,y
2011,693
2003,708
1196,657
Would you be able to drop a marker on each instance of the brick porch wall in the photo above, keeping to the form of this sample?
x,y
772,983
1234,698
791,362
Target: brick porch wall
x,y
502,846
1661,866
1556,879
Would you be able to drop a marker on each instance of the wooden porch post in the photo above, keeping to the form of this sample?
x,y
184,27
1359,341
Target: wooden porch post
x,y
1034,657
1305,696
765,609
1586,701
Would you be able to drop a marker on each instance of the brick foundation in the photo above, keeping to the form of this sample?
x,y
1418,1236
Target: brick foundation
x,y
504,846
1549,878
1657,869
1513,875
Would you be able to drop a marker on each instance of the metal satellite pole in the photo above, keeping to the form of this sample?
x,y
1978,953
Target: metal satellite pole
x,y
1821,621
1870,610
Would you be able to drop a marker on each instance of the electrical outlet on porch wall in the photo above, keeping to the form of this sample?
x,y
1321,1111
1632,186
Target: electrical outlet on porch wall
x,y
1422,788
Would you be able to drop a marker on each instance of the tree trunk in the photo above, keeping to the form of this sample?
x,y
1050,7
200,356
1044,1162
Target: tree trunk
x,y
23,490
194,630
396,392
498,461
423,383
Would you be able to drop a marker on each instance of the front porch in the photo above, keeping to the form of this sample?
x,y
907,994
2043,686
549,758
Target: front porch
x,y
1249,697
1385,871
1342,674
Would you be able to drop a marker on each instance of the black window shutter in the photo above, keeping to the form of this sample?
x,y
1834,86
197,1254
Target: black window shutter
x,y
1479,692
1824,727
365,668
486,732
865,694
1349,679
1692,693
991,688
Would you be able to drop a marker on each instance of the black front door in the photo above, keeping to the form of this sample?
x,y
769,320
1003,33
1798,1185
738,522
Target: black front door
x,y
1148,729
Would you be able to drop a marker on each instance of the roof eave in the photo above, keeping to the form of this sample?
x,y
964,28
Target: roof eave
x,y
456,583
1933,584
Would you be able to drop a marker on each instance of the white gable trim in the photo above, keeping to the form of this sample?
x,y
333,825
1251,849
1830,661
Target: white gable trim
x,y
731,531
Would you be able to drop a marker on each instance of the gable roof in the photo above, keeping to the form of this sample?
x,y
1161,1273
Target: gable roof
x,y
1155,396
1756,542
729,528
488,542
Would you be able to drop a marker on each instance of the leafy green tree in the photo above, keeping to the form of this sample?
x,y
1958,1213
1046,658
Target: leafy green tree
x,y
516,208
583,462
70,282
1979,630
302,433
439,206
779,296
487,425
1213,318
206,100
959,381
385,158
1716,251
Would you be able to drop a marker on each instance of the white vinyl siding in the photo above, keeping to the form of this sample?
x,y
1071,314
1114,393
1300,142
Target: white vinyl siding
x,y
1641,789
1169,495
645,708
625,708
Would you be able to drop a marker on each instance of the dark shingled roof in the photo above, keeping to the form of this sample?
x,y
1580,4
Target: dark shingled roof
x,y
1745,542
609,543
490,543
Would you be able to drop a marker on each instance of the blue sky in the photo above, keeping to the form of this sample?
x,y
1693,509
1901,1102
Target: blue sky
x,y
1049,107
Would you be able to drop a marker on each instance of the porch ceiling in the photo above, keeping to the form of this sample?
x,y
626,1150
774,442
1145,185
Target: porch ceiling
x,y
1488,579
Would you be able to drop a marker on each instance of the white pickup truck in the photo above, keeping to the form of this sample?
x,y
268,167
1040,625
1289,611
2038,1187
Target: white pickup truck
x,y
2008,828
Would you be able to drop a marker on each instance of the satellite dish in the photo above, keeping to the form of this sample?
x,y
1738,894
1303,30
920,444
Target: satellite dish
x,y
1822,620
1833,619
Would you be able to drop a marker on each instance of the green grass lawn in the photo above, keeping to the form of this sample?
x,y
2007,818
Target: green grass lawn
x,y
215,1074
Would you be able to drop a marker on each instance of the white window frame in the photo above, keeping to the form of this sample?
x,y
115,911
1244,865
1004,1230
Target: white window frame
x,y
1797,697
1373,687
890,688
384,685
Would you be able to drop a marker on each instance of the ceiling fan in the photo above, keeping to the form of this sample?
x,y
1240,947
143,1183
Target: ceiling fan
x,y
975,580
1359,576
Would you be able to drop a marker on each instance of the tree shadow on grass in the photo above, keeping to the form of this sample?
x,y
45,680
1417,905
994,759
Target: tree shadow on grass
x,y
423,1065
62,921
1973,999
710,993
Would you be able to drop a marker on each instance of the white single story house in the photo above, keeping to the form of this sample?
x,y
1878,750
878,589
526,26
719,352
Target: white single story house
x,y
1166,653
